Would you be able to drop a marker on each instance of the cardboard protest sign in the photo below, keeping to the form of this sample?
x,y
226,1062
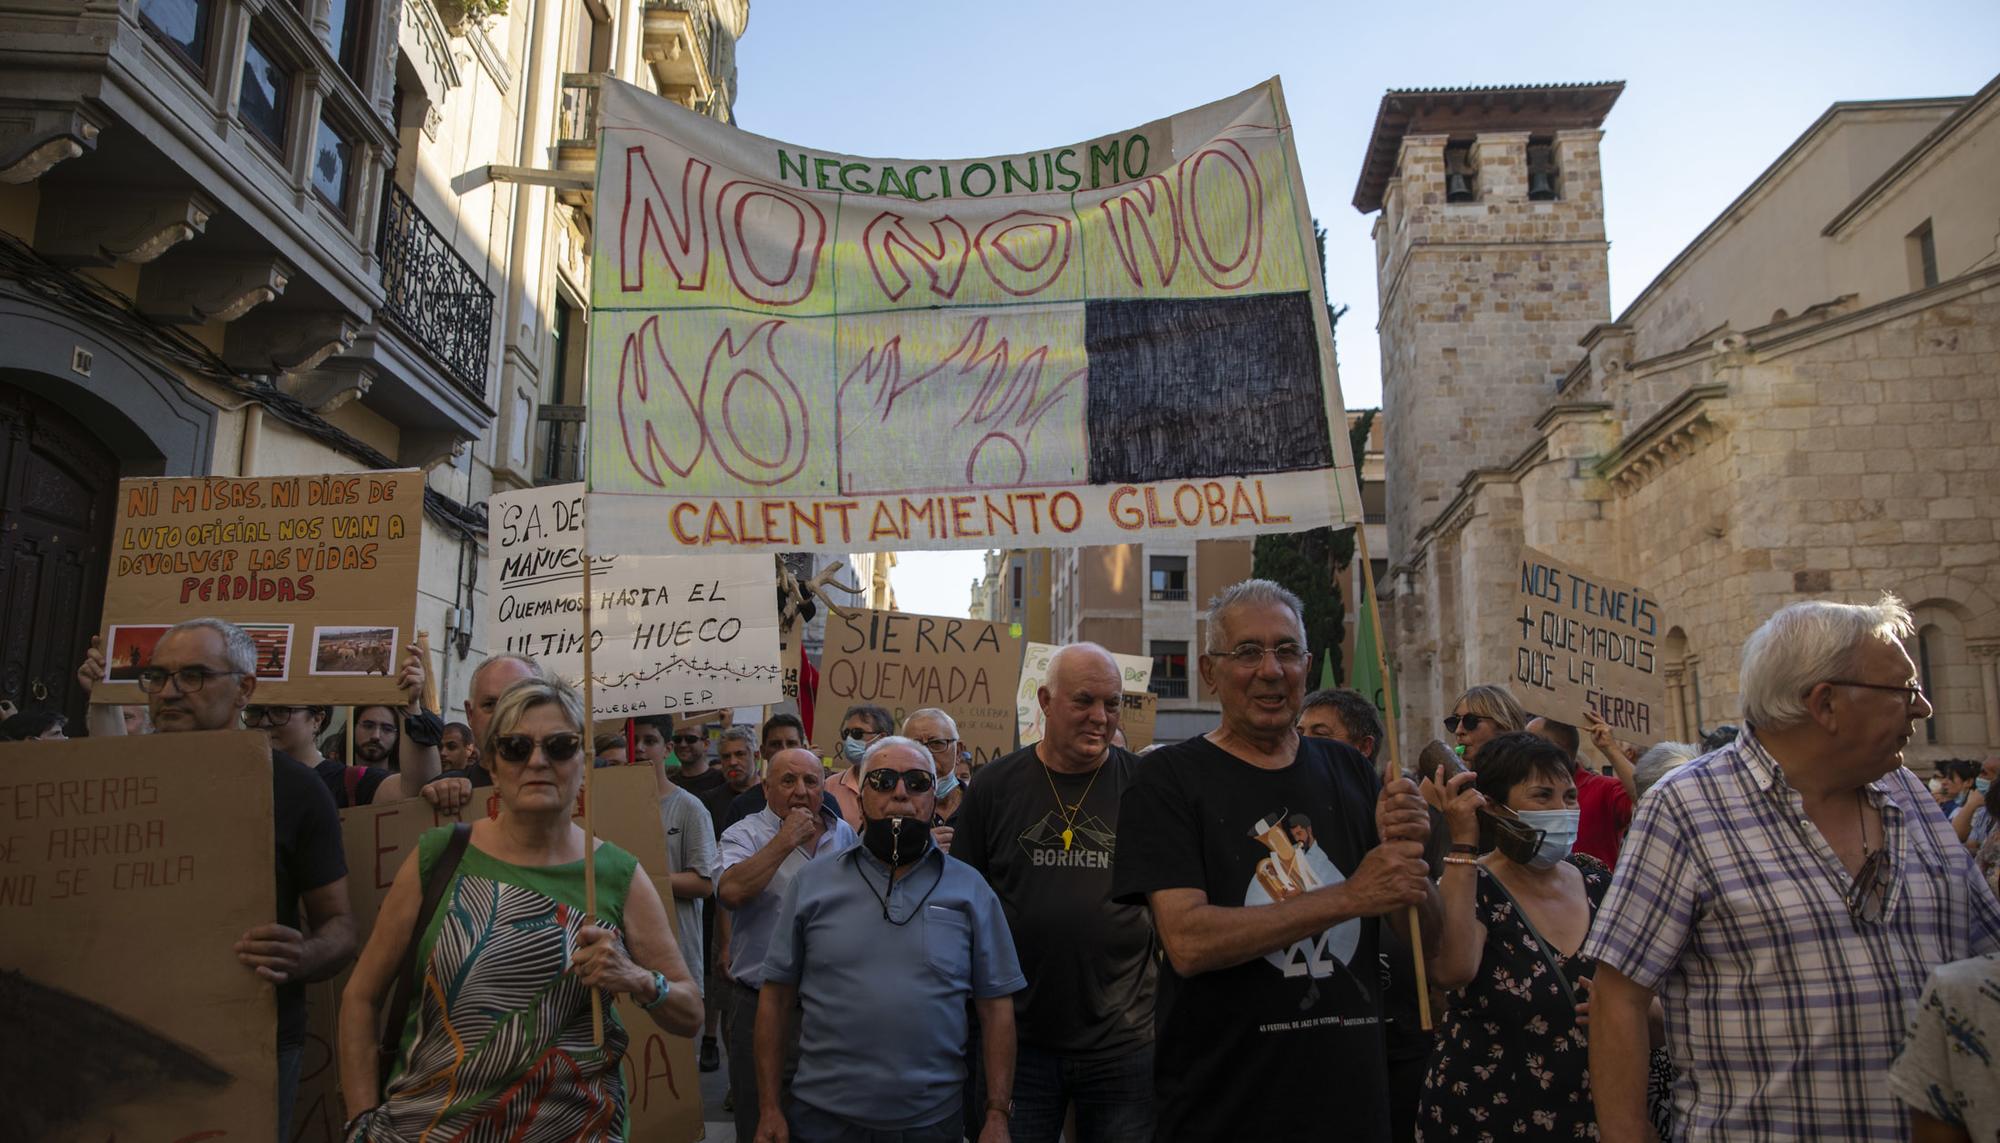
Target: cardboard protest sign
x,y
321,570
1586,643
670,633
965,667
1136,670
1083,344
128,868
662,1087
1140,712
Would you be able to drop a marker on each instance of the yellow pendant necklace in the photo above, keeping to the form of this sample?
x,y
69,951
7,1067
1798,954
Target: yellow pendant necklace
x,y
1068,813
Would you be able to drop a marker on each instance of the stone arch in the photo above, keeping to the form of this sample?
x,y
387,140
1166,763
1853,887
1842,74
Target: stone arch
x,y
144,414
1969,602
1942,651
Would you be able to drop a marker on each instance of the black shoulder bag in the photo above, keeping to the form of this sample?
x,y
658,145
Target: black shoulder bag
x,y
406,983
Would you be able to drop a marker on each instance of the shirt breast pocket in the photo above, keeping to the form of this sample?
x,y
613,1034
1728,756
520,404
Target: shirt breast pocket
x,y
948,942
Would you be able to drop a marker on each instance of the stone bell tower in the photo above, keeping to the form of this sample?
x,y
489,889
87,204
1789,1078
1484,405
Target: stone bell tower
x,y
1491,264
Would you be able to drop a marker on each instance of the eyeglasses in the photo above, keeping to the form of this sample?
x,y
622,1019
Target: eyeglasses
x,y
1912,692
1868,897
557,748
254,716
857,734
884,780
686,739
1250,656
153,680
939,745
1469,721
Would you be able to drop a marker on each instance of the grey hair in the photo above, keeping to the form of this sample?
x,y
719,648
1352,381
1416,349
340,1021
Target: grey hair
x,y
237,646
896,740
525,695
1806,644
535,668
740,734
1658,760
935,715
1249,593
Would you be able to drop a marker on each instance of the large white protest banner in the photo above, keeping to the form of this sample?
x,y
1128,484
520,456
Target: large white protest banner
x,y
671,634
1086,344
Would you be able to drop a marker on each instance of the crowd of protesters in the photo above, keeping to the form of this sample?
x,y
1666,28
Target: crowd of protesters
x,y
1780,933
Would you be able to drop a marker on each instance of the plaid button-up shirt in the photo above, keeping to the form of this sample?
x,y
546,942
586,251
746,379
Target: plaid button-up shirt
x,y
1783,1010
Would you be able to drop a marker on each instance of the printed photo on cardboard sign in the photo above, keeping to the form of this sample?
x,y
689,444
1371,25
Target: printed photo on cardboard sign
x,y
354,650
274,649
131,650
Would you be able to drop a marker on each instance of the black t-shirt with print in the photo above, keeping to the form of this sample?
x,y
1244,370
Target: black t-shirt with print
x,y
1288,1045
1089,962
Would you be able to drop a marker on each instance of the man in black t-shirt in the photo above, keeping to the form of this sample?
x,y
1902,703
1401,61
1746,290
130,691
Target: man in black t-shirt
x,y
1269,1017
201,676
1042,825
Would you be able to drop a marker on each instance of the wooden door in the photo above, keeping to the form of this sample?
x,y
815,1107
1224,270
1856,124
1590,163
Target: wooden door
x,y
57,489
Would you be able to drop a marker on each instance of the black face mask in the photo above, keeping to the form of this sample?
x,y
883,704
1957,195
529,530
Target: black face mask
x,y
896,842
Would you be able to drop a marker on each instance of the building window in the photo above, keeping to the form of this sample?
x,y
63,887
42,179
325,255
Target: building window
x,y
1928,640
267,94
1170,670
1169,578
346,18
333,169
1461,175
1017,596
1542,185
1923,256
181,25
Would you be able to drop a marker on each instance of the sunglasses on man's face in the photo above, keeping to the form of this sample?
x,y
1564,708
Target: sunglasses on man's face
x,y
686,739
557,748
884,780
856,734
1469,721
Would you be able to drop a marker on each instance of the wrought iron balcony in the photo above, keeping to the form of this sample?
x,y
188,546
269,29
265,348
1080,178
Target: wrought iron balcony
x,y
576,129
435,298
1169,688
559,444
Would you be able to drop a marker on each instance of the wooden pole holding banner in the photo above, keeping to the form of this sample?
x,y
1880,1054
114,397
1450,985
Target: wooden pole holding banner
x,y
1394,769
589,802
430,695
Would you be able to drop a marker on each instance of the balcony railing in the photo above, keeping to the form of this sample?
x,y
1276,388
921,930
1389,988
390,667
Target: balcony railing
x,y
1170,594
559,444
1168,688
435,297
576,117
680,40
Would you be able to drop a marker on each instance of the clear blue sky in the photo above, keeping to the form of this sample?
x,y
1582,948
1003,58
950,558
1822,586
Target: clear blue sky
x,y
1714,92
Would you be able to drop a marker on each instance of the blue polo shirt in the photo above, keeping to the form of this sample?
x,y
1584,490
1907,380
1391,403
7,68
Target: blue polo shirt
x,y
882,1040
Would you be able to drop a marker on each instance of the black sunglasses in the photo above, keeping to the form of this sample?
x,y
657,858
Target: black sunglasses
x,y
518,748
884,779
1469,721
855,733
684,739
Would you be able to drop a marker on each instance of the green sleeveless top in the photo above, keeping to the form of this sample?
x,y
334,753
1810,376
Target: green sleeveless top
x,y
498,1043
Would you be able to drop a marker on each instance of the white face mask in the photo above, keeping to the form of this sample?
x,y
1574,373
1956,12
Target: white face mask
x,y
1937,787
1558,834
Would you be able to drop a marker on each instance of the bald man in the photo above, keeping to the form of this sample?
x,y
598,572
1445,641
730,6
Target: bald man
x,y
758,858
1042,824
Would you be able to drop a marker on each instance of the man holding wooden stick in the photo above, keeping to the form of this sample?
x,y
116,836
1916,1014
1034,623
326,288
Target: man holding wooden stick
x,y
1271,1019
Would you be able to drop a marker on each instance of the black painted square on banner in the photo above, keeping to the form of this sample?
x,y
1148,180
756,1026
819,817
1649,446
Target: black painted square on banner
x,y
1200,388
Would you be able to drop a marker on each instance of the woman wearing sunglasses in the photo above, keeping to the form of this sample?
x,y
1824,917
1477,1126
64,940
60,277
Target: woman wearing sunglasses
x,y
1481,715
1511,1057
500,1030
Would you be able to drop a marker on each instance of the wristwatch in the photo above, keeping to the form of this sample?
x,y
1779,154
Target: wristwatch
x,y
660,991
1004,1107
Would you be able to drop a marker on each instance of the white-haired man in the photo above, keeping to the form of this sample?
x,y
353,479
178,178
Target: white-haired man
x,y
884,945
1785,897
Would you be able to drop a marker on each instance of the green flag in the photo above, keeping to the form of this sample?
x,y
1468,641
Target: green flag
x,y
1326,669
1366,673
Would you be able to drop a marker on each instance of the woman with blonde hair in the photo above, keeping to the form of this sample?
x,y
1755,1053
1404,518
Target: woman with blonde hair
x,y
1482,714
490,1035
